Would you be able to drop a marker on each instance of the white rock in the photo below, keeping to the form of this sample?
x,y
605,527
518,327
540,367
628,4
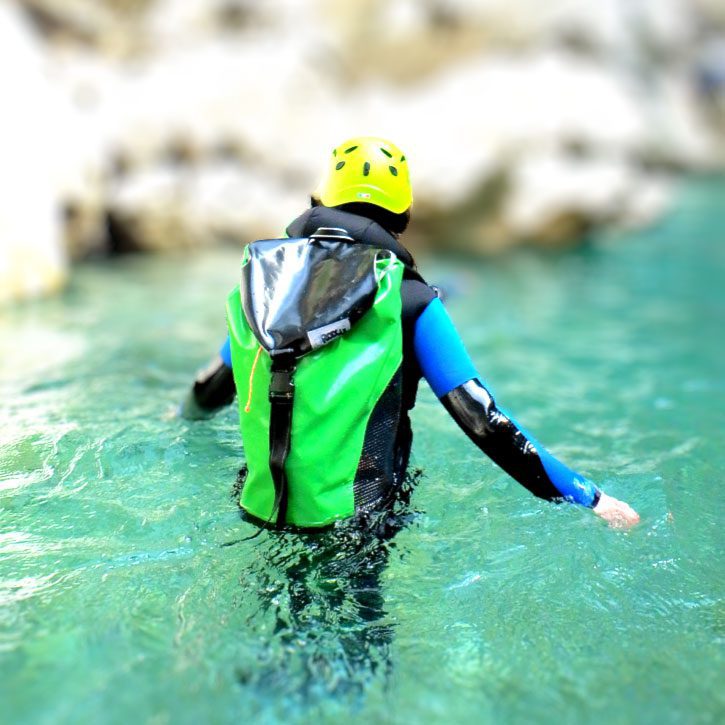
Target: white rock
x,y
475,119
152,208
624,29
32,260
231,202
169,207
547,185
263,93
647,201
679,134
713,11
497,92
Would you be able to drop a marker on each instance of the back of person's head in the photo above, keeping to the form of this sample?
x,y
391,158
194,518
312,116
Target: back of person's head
x,y
368,176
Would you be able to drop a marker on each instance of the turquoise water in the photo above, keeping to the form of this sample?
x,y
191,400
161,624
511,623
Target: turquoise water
x,y
120,598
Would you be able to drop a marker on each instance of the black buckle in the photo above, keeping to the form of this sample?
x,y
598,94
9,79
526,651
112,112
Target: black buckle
x,y
281,384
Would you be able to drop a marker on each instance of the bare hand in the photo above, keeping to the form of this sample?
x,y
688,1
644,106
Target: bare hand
x,y
616,513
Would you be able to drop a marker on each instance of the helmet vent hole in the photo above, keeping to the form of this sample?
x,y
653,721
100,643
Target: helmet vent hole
x,y
352,148
339,165
402,158
334,152
393,170
366,168
387,153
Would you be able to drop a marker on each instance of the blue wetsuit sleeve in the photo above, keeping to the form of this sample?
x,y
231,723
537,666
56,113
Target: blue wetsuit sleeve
x,y
443,359
572,486
225,353
449,370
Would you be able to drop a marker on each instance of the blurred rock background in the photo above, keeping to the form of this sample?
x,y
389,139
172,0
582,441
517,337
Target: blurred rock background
x,y
164,124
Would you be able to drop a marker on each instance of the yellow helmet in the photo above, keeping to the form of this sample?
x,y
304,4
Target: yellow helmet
x,y
369,170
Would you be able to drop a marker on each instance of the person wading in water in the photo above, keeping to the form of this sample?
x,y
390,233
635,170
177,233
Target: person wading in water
x,y
330,331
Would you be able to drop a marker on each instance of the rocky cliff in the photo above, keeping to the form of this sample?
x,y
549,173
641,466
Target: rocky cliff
x,y
154,124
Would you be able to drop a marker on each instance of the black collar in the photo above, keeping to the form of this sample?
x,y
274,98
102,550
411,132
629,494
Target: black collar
x,y
358,227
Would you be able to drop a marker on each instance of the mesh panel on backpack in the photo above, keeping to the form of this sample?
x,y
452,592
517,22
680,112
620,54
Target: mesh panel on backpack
x,y
375,478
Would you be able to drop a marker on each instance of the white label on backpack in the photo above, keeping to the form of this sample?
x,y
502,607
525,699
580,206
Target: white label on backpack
x,y
327,333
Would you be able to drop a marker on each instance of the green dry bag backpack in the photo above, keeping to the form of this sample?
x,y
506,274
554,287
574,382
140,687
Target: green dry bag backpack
x,y
316,340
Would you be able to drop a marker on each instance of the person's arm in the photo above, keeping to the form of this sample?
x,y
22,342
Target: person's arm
x,y
454,379
213,388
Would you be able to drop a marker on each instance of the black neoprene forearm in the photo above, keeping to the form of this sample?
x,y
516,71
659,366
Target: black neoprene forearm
x,y
475,411
213,389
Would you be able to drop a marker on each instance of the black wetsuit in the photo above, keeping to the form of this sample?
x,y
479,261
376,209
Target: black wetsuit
x,y
431,348
323,588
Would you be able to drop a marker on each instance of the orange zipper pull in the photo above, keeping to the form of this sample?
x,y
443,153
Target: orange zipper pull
x,y
248,406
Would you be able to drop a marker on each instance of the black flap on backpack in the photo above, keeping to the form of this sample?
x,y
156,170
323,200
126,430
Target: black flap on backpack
x,y
300,294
